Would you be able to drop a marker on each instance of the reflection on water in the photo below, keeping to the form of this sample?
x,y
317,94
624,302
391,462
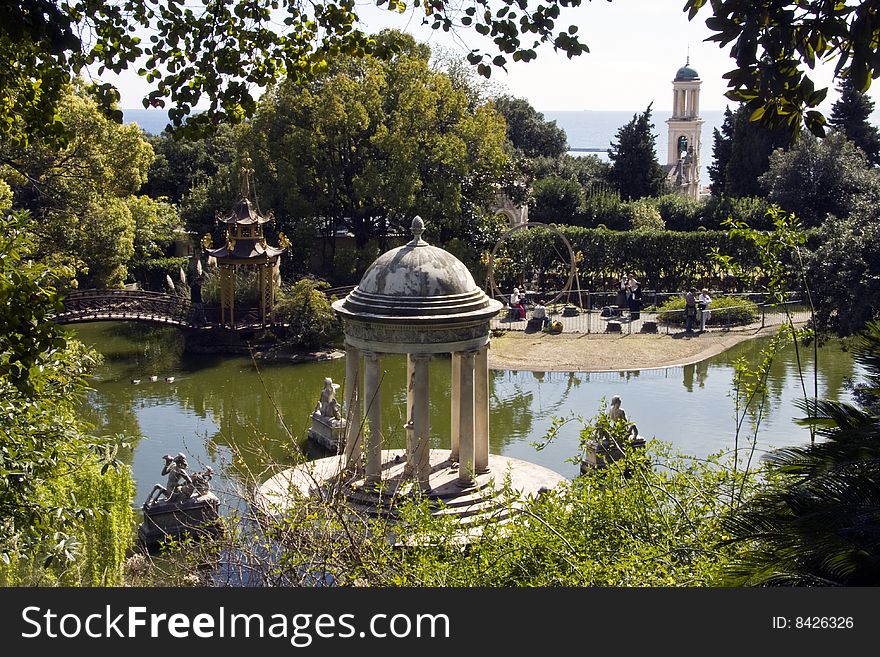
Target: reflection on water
x,y
219,405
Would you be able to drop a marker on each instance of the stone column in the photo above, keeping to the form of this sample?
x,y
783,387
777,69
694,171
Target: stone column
x,y
455,405
373,411
481,411
420,449
408,427
354,410
466,421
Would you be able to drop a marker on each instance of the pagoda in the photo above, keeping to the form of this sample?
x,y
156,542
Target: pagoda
x,y
246,246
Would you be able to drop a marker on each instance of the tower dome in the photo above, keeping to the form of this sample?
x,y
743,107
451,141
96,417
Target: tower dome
x,y
417,280
686,73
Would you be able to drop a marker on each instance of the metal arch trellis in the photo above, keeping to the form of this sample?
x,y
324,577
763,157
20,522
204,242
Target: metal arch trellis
x,y
572,263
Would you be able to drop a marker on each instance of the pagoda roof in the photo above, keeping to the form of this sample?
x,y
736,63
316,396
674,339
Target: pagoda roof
x,y
246,249
243,213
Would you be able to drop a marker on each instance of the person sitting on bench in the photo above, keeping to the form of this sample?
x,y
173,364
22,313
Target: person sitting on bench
x,y
539,312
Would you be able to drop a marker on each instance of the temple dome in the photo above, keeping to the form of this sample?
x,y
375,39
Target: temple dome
x,y
417,280
686,73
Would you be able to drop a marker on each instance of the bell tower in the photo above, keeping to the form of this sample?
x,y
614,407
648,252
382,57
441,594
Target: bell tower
x,y
685,127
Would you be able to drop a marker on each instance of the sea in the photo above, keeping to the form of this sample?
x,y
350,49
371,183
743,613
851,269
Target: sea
x,y
590,132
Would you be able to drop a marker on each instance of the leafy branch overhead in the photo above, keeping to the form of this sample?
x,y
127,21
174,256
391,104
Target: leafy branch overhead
x,y
219,53
776,43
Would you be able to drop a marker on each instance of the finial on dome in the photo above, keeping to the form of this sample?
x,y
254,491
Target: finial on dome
x,y
417,228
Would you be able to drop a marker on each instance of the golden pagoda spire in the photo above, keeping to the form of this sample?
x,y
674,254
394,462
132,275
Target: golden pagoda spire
x,y
245,171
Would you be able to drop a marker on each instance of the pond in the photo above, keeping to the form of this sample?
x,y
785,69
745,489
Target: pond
x,y
241,415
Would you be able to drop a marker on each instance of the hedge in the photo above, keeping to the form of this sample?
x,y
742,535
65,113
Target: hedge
x,y
661,260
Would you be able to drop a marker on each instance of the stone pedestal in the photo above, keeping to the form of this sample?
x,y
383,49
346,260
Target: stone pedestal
x,y
601,453
327,432
473,507
197,517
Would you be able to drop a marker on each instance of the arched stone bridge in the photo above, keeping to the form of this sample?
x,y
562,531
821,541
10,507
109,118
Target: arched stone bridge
x,y
132,305
154,307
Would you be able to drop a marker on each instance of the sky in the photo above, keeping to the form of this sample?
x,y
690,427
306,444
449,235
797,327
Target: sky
x,y
636,47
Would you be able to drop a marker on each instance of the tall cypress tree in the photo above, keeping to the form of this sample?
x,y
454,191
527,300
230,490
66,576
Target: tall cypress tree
x,y
722,143
750,149
850,115
635,170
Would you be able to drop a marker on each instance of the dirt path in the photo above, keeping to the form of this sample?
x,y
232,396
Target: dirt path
x,y
599,352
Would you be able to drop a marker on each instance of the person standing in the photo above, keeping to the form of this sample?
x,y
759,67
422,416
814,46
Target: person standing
x,y
703,302
690,310
623,293
635,299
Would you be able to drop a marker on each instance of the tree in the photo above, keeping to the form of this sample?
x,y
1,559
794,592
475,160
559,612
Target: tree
x,y
722,143
815,522
221,53
817,178
155,226
527,130
776,40
181,164
556,200
79,191
54,492
750,149
587,170
850,115
346,151
843,269
634,167
306,313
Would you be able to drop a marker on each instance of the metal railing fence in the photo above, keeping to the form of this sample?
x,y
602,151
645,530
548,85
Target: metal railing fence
x,y
600,313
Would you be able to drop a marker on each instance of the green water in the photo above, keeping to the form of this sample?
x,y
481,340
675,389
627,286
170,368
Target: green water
x,y
240,416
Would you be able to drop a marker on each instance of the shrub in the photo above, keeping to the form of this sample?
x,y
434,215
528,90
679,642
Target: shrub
x,y
152,273
556,200
725,311
603,207
97,541
643,215
750,209
681,212
306,313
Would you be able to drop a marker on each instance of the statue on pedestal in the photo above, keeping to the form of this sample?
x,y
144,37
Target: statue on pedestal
x,y
328,425
175,468
606,448
184,505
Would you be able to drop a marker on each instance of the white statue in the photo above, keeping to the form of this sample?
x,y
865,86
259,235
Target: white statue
x,y
327,405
